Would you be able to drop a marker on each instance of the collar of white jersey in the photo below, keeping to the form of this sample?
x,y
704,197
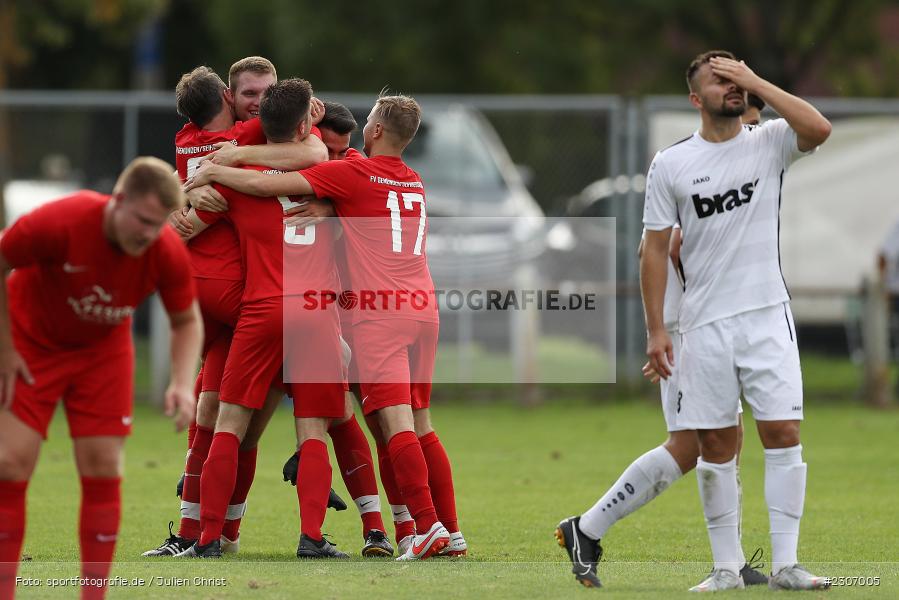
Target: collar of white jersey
x,y
701,140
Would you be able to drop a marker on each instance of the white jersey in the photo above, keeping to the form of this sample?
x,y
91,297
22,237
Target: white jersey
x,y
674,293
726,197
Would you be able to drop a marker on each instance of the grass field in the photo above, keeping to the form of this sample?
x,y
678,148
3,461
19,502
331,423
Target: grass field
x,y
518,471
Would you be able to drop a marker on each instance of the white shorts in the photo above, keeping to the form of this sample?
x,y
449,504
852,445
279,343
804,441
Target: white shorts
x,y
670,389
754,352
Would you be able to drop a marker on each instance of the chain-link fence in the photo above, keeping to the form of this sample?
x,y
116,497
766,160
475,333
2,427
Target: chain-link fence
x,y
576,156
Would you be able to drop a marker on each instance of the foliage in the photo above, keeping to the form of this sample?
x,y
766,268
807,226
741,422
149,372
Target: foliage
x,y
71,43
468,46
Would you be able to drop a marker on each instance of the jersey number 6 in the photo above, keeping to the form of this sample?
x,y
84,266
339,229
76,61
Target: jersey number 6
x,y
307,238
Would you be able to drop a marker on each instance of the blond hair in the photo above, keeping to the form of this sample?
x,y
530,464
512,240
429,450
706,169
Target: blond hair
x,y
400,115
150,175
250,64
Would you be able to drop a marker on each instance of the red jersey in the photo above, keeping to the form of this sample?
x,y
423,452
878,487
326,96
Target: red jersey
x,y
382,206
280,261
72,287
215,254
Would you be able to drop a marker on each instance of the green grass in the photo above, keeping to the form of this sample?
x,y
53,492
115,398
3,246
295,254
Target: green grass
x,y
559,360
518,471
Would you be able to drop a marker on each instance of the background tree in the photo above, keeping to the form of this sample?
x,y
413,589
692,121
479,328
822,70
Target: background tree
x,y
843,47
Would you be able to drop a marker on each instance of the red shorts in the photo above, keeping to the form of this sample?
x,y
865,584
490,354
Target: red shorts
x,y
219,301
214,361
310,354
95,385
255,358
397,362
321,400
313,360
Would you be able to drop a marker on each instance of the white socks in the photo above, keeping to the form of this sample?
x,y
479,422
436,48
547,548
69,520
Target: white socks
x,y
785,475
720,502
643,480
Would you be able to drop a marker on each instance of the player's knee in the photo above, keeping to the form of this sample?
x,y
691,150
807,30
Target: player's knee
x,y
233,418
311,429
422,420
718,445
207,409
394,420
15,466
779,434
99,464
684,448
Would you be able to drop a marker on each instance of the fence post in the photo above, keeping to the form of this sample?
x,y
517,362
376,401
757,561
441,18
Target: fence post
x,y
160,350
876,343
524,339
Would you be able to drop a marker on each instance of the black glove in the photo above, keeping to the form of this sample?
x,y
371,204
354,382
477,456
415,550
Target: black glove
x,y
290,469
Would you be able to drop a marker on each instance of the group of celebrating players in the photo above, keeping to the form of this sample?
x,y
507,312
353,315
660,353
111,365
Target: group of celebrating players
x,y
269,247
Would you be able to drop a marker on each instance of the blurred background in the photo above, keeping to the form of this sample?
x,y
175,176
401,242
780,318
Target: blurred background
x,y
541,110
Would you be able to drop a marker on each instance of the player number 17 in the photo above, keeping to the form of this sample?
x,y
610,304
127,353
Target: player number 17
x,y
396,223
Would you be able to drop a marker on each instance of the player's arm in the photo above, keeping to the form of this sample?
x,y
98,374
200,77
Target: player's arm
x,y
30,240
186,342
811,128
198,225
208,198
254,183
311,211
288,156
653,279
12,365
648,371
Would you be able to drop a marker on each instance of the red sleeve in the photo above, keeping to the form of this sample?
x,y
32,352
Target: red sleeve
x,y
175,281
353,154
334,179
37,237
209,217
249,133
316,132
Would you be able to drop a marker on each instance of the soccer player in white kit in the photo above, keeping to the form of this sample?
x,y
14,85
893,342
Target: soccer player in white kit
x,y
654,471
723,186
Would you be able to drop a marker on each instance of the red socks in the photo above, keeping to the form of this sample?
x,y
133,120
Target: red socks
x,y
403,525
12,530
440,480
191,434
411,473
313,486
356,467
190,497
98,529
237,506
217,485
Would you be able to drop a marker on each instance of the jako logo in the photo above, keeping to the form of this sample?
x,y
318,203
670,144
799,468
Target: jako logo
x,y
719,203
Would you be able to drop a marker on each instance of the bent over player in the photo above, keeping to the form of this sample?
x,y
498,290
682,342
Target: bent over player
x,y
82,265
